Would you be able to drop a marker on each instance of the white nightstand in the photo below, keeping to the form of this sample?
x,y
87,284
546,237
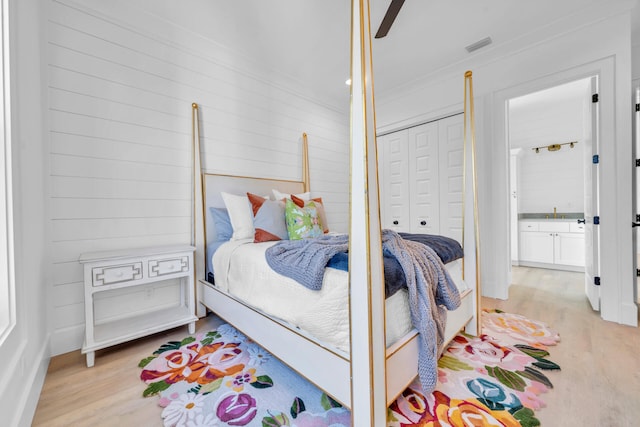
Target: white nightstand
x,y
110,272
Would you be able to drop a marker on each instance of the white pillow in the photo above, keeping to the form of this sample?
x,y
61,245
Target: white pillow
x,y
240,215
279,196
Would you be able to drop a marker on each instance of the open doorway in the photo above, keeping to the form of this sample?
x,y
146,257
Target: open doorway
x,y
550,142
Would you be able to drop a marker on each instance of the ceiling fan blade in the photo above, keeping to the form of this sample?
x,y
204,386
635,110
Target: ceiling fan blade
x,y
389,17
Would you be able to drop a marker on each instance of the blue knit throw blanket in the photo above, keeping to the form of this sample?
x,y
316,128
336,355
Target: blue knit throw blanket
x,y
305,260
431,293
430,288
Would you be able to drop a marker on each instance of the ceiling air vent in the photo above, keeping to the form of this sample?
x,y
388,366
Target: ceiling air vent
x,y
479,44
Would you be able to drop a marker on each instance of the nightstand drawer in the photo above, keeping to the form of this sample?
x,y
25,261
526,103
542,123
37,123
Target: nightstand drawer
x,y
161,267
116,274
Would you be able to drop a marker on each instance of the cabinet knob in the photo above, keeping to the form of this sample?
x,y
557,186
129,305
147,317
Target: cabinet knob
x,y
395,222
423,222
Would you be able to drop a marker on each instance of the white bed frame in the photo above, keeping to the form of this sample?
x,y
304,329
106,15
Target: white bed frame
x,y
294,347
370,375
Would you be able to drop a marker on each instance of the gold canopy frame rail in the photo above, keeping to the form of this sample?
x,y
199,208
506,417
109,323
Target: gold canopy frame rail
x,y
197,215
470,143
198,223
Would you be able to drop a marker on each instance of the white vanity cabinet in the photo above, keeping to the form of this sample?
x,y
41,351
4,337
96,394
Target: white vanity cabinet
x,y
116,284
552,244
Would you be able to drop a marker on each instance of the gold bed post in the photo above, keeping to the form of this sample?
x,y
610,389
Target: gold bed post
x,y
366,289
469,119
197,224
305,163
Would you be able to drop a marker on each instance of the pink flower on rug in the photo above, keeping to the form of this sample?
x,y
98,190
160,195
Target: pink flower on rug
x,y
529,398
467,412
485,352
410,407
170,365
226,359
191,364
519,328
165,401
236,409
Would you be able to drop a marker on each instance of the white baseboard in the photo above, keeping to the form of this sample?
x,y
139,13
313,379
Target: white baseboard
x,y
32,383
66,340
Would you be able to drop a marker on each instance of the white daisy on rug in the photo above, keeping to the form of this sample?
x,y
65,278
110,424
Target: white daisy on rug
x,y
185,408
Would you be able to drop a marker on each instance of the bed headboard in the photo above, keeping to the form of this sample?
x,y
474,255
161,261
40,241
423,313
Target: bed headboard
x,y
214,184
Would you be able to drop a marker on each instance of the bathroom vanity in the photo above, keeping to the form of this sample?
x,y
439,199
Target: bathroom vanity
x,y
551,243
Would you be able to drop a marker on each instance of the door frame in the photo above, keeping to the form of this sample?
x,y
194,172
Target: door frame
x,y
616,261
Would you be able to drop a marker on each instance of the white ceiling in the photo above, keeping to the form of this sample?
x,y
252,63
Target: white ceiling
x,y
429,35
309,40
552,116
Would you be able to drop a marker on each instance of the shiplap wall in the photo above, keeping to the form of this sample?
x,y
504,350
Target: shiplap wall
x,y
551,179
121,83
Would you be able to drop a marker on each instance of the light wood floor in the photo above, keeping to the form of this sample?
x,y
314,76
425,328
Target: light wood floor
x,y
599,384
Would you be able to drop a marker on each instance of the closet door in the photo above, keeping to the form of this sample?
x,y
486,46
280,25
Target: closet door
x,y
451,139
394,180
423,179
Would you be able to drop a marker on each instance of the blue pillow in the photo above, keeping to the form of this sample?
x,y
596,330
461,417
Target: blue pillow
x,y
223,230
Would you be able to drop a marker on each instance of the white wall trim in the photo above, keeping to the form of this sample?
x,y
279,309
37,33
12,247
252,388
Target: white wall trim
x,y
33,386
612,260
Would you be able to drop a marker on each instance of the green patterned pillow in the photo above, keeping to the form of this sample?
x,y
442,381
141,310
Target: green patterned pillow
x,y
302,223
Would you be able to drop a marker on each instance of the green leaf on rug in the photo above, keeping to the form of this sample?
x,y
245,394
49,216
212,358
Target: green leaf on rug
x,y
171,345
211,387
534,352
187,340
547,365
453,363
210,337
507,378
155,388
275,421
390,416
535,375
526,417
297,407
144,362
327,402
263,381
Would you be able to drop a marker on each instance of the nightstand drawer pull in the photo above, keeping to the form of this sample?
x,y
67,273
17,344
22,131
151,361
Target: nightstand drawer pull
x,y
116,274
168,266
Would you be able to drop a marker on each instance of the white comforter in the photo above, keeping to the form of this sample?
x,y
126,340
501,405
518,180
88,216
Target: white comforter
x,y
242,271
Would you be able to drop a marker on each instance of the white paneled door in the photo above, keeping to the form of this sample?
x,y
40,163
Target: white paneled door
x,y
394,189
591,229
451,155
423,176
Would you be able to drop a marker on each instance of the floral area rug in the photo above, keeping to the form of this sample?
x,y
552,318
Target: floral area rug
x,y
221,378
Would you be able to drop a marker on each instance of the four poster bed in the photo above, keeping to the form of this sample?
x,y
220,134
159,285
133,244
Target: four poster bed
x,y
309,330
374,370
